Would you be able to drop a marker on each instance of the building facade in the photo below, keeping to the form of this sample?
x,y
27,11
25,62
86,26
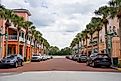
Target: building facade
x,y
12,43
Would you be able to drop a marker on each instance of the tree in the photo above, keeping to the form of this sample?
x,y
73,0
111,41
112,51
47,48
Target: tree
x,y
78,38
90,28
53,50
115,10
18,22
6,14
85,37
27,25
32,36
104,12
97,22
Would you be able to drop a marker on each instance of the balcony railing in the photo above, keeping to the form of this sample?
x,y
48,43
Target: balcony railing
x,y
21,39
12,37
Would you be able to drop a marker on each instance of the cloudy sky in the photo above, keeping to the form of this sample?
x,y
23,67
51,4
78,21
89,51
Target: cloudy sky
x,y
58,20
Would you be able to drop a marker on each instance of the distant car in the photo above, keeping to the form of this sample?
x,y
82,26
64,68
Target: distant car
x,y
49,57
75,57
44,57
14,60
99,60
82,58
36,57
67,56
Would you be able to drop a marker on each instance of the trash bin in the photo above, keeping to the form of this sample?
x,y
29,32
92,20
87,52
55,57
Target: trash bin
x,y
115,61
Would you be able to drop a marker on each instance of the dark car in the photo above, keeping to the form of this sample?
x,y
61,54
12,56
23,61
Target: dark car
x,y
82,58
99,60
14,60
75,57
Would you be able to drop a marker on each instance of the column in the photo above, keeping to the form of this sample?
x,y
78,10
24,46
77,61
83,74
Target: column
x,y
16,49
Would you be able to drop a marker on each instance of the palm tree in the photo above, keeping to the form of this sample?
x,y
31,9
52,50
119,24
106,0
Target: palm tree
x,y
33,33
115,6
104,12
38,37
7,14
78,36
97,22
90,28
27,25
18,22
85,37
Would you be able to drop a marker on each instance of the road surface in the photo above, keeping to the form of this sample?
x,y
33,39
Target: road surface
x,y
63,76
56,64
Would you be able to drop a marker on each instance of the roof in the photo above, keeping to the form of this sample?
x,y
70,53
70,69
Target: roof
x,y
22,10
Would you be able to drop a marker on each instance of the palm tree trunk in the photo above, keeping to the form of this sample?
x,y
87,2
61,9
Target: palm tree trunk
x,y
98,42
91,41
31,47
7,42
86,47
106,38
25,55
18,41
78,47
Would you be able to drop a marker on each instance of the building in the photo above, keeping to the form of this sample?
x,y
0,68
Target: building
x,y
12,43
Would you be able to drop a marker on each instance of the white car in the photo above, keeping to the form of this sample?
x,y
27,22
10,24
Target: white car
x,y
36,57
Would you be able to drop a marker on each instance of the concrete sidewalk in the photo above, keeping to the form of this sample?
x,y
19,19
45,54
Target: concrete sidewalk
x,y
27,62
119,69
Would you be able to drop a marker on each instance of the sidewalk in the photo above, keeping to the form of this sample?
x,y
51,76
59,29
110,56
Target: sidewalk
x,y
119,69
26,62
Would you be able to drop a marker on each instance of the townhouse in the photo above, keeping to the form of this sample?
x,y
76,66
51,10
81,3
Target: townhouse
x,y
10,41
88,46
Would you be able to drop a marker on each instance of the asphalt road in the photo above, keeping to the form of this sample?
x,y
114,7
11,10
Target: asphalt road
x,y
63,76
56,64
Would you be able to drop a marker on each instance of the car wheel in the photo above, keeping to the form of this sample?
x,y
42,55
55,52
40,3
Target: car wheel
x,y
21,63
15,65
93,64
87,63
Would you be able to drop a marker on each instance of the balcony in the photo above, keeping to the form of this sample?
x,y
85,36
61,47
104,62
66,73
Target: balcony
x,y
12,37
93,42
21,39
28,42
32,43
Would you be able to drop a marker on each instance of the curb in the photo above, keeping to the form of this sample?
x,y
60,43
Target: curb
x,y
27,62
119,69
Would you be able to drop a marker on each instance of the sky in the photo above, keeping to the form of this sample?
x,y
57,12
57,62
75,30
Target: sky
x,y
58,20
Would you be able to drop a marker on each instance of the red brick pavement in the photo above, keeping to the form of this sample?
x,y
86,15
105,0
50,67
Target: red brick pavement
x,y
57,64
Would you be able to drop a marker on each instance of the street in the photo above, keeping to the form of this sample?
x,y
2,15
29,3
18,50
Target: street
x,y
56,64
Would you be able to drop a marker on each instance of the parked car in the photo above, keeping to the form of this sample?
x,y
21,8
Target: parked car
x,y
36,57
14,60
99,60
49,57
44,57
67,56
82,58
75,57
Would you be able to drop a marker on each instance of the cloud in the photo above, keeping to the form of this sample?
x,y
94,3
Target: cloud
x,y
58,20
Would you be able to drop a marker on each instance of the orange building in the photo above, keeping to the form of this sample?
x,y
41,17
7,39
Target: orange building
x,y
12,38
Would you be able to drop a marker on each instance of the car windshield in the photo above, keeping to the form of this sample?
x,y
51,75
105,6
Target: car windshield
x,y
10,57
102,56
83,56
36,55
